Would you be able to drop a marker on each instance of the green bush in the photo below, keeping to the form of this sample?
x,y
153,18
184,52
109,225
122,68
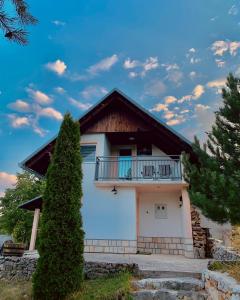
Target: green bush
x,y
59,270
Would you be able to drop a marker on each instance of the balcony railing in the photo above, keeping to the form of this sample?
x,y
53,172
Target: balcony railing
x,y
156,168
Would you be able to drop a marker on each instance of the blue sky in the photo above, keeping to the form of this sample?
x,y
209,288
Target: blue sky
x,y
172,57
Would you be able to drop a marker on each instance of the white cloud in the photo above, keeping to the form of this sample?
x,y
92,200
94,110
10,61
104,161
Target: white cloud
x,y
59,90
185,111
170,99
93,91
159,107
155,88
220,63
233,10
20,106
192,75
175,76
198,91
39,96
50,113
176,121
150,63
194,60
192,50
57,66
130,64
7,180
78,104
58,23
18,122
168,115
201,107
220,47
217,83
103,65
185,98
133,74
169,67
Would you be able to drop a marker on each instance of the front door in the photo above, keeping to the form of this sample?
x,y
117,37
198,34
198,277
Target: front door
x,y
125,164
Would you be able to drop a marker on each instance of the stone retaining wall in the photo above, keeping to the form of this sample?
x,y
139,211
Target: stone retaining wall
x,y
22,268
220,252
220,286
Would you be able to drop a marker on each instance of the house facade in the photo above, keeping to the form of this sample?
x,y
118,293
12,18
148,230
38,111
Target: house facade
x,y
134,196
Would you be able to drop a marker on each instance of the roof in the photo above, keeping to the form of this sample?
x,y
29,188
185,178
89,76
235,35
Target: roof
x,y
32,204
43,153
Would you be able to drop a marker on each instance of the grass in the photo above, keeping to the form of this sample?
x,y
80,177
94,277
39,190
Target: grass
x,y
110,288
232,268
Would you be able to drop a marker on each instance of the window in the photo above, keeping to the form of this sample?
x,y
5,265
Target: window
x,y
144,149
88,153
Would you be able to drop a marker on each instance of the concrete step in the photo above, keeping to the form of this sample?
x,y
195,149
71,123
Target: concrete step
x,y
165,294
168,274
176,284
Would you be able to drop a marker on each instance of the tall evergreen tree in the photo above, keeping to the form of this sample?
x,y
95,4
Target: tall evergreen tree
x,y
215,180
60,266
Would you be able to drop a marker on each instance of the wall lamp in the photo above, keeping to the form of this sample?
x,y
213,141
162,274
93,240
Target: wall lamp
x,y
180,201
114,191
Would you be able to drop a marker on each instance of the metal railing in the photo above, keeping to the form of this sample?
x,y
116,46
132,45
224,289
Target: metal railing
x,y
155,168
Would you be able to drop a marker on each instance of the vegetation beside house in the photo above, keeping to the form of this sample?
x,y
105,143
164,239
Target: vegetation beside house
x,y
215,181
59,270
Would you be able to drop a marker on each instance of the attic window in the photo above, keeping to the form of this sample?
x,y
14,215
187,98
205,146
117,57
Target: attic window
x,y
88,153
144,149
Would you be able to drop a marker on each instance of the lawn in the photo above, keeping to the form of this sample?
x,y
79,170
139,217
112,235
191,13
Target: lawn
x,y
232,268
110,288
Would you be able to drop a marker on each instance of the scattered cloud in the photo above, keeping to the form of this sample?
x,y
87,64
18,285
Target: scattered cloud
x,y
103,65
50,113
192,50
78,104
59,90
168,115
233,10
175,76
178,120
149,64
201,107
20,106
185,111
217,85
7,180
185,98
18,122
221,47
170,99
155,88
159,107
213,19
59,23
57,66
191,55
192,75
93,91
198,91
39,96
220,63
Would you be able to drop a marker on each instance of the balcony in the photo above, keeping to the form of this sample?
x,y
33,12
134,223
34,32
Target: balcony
x,y
143,169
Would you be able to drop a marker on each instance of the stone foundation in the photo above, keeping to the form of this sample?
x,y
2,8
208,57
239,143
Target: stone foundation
x,y
22,268
110,246
164,245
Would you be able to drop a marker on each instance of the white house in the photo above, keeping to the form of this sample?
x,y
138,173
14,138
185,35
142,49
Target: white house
x,y
134,196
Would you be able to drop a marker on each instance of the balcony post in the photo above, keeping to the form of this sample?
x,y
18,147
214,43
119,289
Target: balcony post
x,y
97,168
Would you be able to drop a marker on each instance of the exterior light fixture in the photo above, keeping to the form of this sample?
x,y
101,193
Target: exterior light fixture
x,y
114,191
180,201
131,138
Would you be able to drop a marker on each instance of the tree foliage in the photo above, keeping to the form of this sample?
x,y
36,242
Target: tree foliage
x,y
60,266
15,221
13,25
215,180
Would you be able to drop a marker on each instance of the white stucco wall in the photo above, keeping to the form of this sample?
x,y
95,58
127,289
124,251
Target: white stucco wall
x,y
105,215
149,226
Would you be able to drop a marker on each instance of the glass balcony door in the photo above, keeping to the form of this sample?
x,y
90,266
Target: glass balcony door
x,y
125,164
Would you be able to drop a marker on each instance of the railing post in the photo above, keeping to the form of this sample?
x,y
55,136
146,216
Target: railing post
x,y
97,168
181,167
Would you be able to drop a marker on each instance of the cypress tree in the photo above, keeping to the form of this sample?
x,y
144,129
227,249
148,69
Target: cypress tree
x,y
215,180
60,266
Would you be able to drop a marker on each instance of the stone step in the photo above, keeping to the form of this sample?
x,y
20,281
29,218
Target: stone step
x,y
177,284
165,294
144,273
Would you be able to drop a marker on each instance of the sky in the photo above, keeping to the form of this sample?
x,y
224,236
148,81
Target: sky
x,y
170,56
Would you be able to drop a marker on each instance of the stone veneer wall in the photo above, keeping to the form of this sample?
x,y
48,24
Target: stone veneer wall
x,y
165,245
110,246
22,268
220,286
